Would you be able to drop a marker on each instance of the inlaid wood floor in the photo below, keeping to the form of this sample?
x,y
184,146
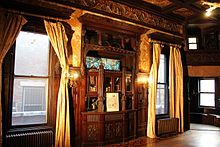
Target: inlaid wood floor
x,y
198,136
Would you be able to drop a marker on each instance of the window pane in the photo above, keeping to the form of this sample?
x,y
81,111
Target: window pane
x,y
192,46
161,101
192,40
29,101
31,49
207,85
161,70
207,99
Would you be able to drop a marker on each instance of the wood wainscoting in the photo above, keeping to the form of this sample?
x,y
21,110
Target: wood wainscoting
x,y
101,128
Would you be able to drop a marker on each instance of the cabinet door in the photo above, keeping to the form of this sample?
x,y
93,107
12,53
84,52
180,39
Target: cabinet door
x,y
108,84
117,84
92,83
128,82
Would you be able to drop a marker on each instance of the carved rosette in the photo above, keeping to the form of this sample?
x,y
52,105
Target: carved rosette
x,y
131,13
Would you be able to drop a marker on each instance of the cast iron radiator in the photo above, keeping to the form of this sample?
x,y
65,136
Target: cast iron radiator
x,y
30,139
167,126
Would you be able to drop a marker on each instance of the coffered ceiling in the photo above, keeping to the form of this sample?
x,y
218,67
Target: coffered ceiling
x,y
190,12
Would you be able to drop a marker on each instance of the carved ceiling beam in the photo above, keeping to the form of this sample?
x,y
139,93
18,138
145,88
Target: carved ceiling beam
x,y
40,8
170,8
140,4
128,13
187,5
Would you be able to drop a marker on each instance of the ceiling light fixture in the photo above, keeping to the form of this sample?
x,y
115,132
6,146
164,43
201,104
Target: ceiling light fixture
x,y
209,11
212,6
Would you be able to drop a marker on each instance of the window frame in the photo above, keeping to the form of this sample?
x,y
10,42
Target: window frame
x,y
36,77
165,52
199,92
197,43
36,26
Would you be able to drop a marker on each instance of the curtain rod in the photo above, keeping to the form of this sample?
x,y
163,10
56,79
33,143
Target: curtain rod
x,y
165,43
34,15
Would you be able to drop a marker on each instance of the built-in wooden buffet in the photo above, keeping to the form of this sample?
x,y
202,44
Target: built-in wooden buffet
x,y
109,57
102,128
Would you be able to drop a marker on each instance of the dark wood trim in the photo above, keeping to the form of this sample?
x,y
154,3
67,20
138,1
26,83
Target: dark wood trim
x,y
38,8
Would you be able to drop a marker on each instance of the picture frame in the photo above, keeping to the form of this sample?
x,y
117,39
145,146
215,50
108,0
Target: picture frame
x,y
112,101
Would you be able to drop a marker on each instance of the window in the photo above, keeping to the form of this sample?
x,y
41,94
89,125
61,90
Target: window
x,y
193,43
30,85
162,87
207,92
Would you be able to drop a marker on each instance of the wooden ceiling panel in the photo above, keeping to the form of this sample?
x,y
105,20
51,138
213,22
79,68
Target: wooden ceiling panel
x,y
159,3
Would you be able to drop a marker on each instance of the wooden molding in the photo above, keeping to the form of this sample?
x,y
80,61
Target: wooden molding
x,y
129,13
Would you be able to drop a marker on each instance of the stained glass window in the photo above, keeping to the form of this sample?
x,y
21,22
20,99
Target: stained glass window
x,y
109,64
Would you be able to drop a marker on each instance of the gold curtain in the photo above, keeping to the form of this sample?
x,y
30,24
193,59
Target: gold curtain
x,y
153,91
10,26
176,86
58,39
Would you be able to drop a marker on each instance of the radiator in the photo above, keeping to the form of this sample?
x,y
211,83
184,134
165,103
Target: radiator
x,y
30,139
167,126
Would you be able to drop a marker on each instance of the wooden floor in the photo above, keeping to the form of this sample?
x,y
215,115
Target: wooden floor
x,y
198,136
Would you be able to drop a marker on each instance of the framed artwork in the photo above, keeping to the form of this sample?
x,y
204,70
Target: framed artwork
x,y
93,83
112,101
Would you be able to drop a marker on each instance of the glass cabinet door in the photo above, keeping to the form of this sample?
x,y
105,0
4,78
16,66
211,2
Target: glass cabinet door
x,y
117,83
92,87
107,84
128,82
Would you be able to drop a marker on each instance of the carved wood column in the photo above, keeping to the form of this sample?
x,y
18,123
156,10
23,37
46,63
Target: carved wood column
x,y
133,84
123,89
100,88
144,65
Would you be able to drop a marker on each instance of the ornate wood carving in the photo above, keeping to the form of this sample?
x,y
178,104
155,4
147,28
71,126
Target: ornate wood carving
x,y
108,48
93,132
101,128
160,3
113,130
184,12
129,13
144,55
